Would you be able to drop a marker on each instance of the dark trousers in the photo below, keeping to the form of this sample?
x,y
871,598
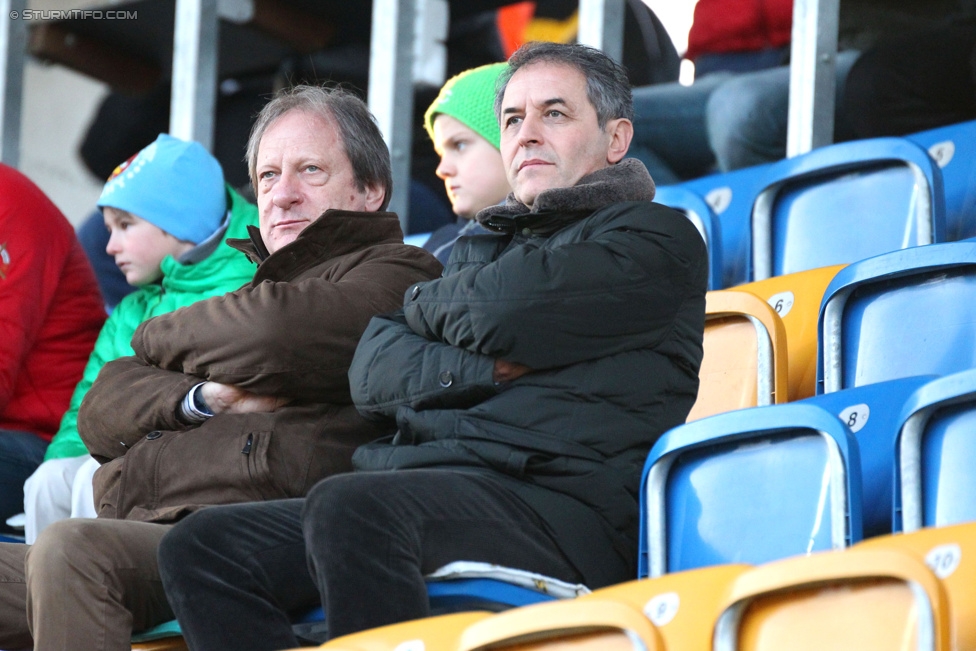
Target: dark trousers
x,y
361,543
20,455
912,83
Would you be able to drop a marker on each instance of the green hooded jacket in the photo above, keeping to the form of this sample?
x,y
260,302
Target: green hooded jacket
x,y
224,270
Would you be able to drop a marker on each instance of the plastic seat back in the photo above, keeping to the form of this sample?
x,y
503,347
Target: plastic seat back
x,y
730,196
745,360
749,486
905,313
430,634
851,600
703,217
872,414
596,625
682,606
846,202
796,299
950,552
954,150
936,454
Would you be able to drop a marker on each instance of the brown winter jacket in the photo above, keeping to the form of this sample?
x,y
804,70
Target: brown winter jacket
x,y
290,333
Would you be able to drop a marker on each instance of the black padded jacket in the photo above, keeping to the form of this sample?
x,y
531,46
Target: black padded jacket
x,y
598,290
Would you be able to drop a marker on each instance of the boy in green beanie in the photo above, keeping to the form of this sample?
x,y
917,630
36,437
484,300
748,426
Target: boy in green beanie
x,y
463,126
169,211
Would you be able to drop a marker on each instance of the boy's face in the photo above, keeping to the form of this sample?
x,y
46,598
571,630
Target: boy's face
x,y
302,171
471,167
139,246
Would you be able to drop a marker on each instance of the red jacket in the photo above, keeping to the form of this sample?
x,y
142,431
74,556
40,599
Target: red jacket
x,y
50,308
739,26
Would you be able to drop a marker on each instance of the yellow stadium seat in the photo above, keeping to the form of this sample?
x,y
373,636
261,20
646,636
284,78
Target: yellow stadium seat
x,y
675,611
876,599
430,634
950,552
593,625
746,360
796,298
682,605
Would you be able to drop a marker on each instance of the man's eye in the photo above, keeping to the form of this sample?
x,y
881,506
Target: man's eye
x,y
513,120
553,113
312,168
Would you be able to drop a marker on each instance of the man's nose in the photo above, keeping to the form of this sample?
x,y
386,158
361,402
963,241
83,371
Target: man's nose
x,y
285,192
530,131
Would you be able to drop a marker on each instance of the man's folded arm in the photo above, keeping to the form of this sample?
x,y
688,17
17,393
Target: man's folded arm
x,y
128,400
396,367
289,339
549,308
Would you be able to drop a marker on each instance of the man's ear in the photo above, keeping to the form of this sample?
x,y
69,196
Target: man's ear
x,y
621,133
374,198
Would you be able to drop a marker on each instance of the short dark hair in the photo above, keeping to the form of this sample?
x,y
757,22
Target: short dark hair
x,y
607,85
361,138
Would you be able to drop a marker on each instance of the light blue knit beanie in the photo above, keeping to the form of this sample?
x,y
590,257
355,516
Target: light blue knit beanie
x,y
174,184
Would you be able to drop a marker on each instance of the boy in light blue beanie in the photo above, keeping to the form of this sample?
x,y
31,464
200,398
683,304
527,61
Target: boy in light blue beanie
x,y
174,184
168,211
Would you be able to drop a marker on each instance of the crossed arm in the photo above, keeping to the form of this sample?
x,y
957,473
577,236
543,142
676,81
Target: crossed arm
x,y
531,309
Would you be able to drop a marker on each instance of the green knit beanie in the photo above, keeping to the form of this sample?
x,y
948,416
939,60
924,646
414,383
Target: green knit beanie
x,y
470,98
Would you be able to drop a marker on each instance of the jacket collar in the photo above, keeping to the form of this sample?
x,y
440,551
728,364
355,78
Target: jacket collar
x,y
628,180
335,233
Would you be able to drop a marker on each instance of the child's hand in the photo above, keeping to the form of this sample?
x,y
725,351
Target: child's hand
x,y
228,399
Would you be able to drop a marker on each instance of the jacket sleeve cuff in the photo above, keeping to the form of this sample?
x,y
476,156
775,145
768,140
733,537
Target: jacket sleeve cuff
x,y
193,409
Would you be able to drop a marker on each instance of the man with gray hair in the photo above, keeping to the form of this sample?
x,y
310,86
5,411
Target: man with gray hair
x,y
237,398
527,386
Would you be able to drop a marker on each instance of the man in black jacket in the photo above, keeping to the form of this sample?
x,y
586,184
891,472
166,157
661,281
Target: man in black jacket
x,y
527,385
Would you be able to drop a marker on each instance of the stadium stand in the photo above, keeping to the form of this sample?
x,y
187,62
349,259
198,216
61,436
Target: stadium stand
x,y
949,553
843,203
953,147
864,599
745,360
432,634
704,219
749,486
796,299
872,412
731,195
904,313
935,454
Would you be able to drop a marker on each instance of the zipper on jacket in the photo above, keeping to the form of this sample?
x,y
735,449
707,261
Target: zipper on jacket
x,y
247,446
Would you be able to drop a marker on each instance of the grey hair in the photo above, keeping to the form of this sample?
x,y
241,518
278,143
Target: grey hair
x,y
607,85
361,138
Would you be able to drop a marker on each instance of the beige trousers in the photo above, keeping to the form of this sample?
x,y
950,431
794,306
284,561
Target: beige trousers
x,y
85,584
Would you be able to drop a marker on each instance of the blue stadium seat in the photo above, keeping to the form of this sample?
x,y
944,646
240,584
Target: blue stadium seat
x,y
846,202
703,217
872,413
936,453
749,486
730,196
909,312
954,149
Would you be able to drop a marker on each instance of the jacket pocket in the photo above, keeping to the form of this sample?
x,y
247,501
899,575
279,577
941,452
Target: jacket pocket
x,y
256,466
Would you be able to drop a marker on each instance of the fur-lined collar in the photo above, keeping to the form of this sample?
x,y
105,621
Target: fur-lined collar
x,y
628,180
